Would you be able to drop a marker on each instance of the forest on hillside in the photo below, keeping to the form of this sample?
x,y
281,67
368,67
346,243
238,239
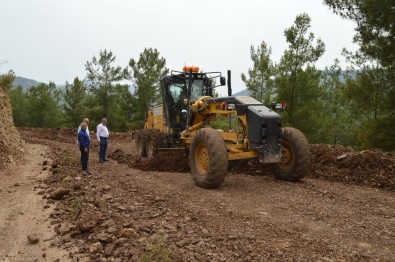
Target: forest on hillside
x,y
353,106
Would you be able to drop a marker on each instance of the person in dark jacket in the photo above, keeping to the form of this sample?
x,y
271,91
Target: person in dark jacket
x,y
84,142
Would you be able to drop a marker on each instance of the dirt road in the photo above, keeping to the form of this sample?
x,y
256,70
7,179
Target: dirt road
x,y
120,213
23,212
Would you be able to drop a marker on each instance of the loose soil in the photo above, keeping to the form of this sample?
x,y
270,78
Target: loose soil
x,y
130,209
11,144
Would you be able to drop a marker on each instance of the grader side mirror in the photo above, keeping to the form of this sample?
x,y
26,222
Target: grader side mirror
x,y
222,80
184,113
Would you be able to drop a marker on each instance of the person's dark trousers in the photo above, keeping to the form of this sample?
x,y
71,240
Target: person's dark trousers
x,y
84,159
103,148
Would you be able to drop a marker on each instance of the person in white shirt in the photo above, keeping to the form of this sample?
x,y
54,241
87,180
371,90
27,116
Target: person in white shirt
x,y
102,135
86,121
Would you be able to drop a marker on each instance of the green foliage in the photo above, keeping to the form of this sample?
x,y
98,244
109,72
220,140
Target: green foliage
x,y
38,107
375,21
298,82
7,79
260,83
337,125
74,102
372,92
102,77
44,109
76,205
146,74
20,106
123,108
371,96
156,249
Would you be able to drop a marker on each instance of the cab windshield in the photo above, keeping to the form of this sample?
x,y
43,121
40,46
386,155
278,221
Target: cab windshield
x,y
179,91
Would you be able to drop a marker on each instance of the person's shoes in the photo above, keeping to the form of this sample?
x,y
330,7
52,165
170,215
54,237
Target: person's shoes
x,y
105,160
101,161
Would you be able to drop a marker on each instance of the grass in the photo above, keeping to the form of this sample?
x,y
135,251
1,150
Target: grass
x,y
76,204
67,159
156,249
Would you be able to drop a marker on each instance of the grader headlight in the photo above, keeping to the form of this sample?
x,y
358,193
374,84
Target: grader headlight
x,y
231,106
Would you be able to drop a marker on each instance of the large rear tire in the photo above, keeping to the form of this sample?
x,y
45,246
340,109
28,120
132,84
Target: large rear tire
x,y
140,144
208,158
295,156
154,141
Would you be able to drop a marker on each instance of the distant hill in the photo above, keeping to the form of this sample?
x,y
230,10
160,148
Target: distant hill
x,y
244,92
25,82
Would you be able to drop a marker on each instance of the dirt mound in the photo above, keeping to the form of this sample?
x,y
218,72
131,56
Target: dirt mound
x,y
65,135
11,144
164,161
374,168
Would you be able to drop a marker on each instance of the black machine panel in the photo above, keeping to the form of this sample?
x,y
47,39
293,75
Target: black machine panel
x,y
264,129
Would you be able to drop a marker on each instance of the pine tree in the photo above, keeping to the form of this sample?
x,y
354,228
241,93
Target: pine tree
x,y
44,109
102,77
298,81
146,74
372,91
260,82
75,102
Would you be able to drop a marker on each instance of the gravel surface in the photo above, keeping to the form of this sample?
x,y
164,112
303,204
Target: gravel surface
x,y
129,209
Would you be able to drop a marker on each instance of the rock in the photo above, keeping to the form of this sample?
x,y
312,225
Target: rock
x,y
182,243
106,187
155,215
68,179
122,208
45,162
129,233
109,223
64,231
33,239
96,248
109,249
341,157
59,193
102,237
263,213
88,221
112,230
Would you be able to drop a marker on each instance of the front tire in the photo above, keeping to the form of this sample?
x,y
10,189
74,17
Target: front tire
x,y
208,158
295,156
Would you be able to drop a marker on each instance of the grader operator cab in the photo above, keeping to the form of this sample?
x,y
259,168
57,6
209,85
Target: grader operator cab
x,y
185,121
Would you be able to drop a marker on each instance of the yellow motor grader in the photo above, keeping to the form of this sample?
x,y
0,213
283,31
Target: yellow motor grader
x,y
186,120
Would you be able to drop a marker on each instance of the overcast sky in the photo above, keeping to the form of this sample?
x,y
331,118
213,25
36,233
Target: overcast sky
x,y
51,40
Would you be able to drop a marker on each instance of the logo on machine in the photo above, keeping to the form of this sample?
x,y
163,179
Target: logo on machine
x,y
157,111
